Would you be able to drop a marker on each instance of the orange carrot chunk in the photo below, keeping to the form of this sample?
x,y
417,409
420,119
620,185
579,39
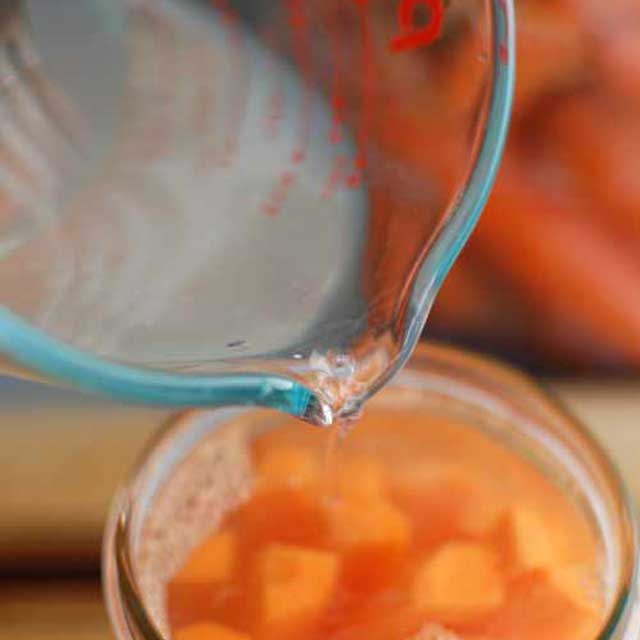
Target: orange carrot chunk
x,y
190,594
296,584
445,502
361,477
529,540
261,519
536,609
211,562
289,465
367,523
459,582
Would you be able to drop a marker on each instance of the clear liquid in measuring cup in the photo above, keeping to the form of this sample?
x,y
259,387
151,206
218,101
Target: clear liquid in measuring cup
x,y
246,186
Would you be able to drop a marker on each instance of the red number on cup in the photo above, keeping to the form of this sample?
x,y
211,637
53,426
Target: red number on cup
x,y
412,36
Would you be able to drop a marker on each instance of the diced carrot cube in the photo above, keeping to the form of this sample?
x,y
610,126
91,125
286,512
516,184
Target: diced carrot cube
x,y
446,502
289,465
283,515
368,569
208,631
380,619
536,609
368,523
580,584
459,582
188,603
211,562
529,539
296,584
361,477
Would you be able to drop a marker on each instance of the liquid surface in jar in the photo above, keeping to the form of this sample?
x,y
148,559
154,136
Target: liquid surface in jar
x,y
419,528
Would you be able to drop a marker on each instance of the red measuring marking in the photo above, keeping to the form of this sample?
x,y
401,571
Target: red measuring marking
x,y
337,119
204,102
158,128
410,36
337,171
278,195
367,64
235,37
338,104
413,36
337,101
274,116
276,99
301,51
299,24
504,48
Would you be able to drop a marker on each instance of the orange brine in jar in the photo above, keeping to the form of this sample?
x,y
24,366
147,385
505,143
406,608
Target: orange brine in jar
x,y
421,528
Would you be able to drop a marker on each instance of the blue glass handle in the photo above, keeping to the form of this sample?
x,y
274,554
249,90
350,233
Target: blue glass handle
x,y
53,359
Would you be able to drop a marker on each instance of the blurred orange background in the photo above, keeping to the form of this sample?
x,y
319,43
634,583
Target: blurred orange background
x,y
551,278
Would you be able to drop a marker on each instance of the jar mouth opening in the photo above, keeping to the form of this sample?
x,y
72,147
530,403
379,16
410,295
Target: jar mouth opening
x,y
467,383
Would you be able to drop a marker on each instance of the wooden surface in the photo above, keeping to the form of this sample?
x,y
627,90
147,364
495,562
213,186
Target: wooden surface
x,y
59,468
60,464
53,610
612,412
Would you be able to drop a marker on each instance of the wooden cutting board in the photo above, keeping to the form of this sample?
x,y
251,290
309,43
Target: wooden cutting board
x,y
53,610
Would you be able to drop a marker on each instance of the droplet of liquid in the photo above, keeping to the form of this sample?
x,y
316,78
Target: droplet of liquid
x,y
318,413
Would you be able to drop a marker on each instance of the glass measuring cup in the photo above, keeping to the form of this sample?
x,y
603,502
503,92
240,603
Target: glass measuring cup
x,y
239,203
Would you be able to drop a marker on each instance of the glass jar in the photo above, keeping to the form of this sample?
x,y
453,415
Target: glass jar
x,y
188,472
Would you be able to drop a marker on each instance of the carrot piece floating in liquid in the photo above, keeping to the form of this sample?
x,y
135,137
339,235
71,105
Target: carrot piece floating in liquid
x,y
211,562
260,519
459,582
296,585
445,503
368,523
529,541
190,592
361,477
536,609
289,465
